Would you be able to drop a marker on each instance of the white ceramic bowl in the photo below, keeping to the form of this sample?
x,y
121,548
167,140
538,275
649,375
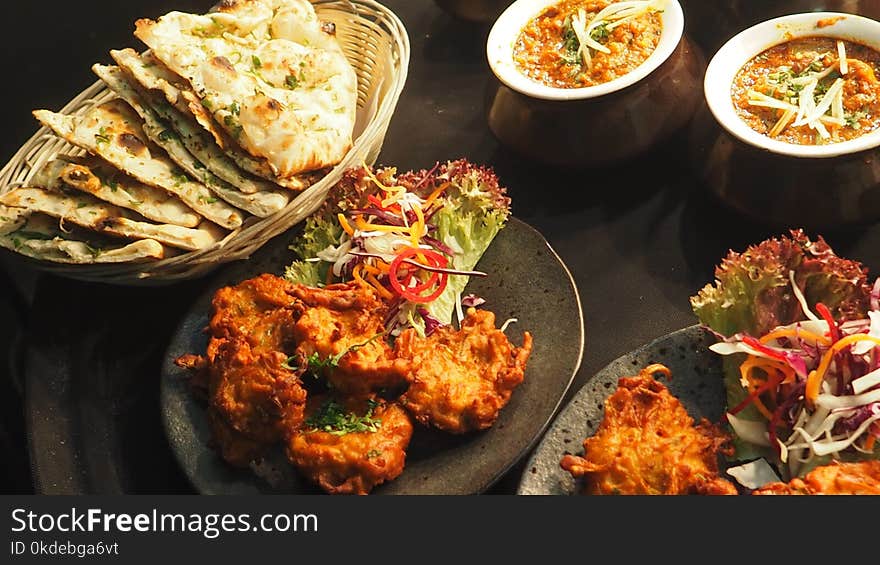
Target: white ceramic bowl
x,y
503,36
734,54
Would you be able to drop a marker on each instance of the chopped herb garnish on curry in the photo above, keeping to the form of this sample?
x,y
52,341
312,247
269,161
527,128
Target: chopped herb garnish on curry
x,y
810,91
579,43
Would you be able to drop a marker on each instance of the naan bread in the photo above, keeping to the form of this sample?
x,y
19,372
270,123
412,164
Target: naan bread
x,y
94,176
12,219
152,74
89,212
270,73
184,111
260,204
39,237
113,131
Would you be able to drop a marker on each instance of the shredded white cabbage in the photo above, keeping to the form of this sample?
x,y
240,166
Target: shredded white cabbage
x,y
801,299
749,430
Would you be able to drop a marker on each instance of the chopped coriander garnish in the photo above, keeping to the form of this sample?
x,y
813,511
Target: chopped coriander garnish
x,y
316,366
570,43
600,32
333,418
255,61
33,235
291,82
101,136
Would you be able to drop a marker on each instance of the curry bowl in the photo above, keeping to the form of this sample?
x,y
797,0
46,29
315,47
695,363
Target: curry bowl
x,y
594,123
769,150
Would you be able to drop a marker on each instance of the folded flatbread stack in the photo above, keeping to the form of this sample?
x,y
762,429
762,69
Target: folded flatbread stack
x,y
221,122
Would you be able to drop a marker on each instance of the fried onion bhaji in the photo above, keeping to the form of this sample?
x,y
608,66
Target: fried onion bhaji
x,y
254,399
257,309
460,380
345,322
351,446
647,444
835,479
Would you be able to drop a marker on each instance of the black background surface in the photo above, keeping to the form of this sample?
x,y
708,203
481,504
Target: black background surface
x,y
639,238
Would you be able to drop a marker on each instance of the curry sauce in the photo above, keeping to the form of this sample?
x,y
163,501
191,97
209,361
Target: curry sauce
x,y
549,49
802,92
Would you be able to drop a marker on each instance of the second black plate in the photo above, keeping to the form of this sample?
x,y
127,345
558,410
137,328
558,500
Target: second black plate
x,y
696,381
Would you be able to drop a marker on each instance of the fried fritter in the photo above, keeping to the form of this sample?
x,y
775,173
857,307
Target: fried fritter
x,y
648,444
254,400
835,478
257,309
461,379
345,322
351,462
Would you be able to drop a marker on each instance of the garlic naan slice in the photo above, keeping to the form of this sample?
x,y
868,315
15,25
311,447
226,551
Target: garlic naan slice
x,y
12,219
88,212
39,238
290,103
113,131
185,113
94,176
152,74
260,204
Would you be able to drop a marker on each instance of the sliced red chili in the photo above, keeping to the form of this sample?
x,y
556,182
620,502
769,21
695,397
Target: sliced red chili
x,y
758,346
834,330
413,293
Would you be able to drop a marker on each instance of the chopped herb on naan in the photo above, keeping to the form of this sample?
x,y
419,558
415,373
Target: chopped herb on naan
x,y
40,238
260,204
180,107
89,212
113,131
271,75
96,177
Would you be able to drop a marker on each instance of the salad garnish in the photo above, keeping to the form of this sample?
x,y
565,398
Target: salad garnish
x,y
799,328
413,238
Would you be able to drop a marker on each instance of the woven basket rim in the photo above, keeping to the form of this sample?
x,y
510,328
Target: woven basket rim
x,y
252,235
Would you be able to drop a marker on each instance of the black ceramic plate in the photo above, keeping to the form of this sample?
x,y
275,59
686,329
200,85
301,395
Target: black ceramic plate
x,y
527,281
696,381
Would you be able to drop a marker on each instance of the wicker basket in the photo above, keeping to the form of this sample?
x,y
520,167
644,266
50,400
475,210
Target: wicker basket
x,y
377,46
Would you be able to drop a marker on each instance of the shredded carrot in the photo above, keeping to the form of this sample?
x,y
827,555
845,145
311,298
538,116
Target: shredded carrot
x,y
356,273
363,225
814,380
752,383
373,270
417,230
435,194
345,225
869,442
796,333
383,292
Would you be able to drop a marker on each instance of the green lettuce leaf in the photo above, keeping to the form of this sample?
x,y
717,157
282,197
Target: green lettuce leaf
x,y
752,292
318,233
475,208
